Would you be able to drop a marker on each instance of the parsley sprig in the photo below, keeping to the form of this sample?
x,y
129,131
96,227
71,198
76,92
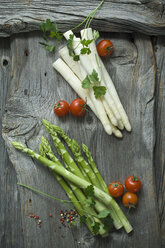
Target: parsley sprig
x,y
104,216
84,50
92,81
50,30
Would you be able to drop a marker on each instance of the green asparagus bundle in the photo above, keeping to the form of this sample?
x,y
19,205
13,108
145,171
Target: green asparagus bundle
x,y
91,215
83,185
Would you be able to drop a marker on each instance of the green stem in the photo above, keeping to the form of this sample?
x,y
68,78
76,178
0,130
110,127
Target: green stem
x,y
45,194
93,12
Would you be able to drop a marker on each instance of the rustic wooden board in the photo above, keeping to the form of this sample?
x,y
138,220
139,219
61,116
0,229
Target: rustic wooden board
x,y
160,127
143,16
10,222
34,88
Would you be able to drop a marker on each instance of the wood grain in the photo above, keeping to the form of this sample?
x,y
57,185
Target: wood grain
x,y
160,135
10,221
34,89
144,16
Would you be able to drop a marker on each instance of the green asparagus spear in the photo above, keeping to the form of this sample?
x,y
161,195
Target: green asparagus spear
x,y
94,167
102,196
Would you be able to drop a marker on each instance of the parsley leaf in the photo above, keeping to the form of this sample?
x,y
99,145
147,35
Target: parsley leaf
x,y
48,47
70,48
94,77
108,223
50,30
90,201
48,25
52,34
96,34
99,91
55,27
89,191
59,36
103,214
83,219
85,50
86,83
85,42
96,227
76,58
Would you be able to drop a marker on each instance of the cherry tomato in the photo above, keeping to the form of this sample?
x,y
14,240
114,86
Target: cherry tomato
x,y
116,189
129,199
133,184
78,107
61,108
105,48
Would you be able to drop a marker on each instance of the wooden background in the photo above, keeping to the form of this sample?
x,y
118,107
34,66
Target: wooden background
x,y
29,89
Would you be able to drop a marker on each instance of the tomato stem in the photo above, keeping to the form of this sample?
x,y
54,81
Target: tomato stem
x,y
135,179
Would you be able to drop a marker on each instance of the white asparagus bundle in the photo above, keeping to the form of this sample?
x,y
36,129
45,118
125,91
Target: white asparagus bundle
x,y
74,72
75,83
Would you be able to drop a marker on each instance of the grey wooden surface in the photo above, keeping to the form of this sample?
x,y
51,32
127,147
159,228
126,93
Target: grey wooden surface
x,y
34,87
159,165
30,86
146,16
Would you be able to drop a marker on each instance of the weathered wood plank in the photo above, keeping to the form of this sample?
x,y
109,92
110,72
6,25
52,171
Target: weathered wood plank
x,y
10,221
35,86
160,136
114,16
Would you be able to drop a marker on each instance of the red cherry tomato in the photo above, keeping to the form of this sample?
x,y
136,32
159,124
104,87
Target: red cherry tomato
x,y
105,48
133,184
129,199
61,108
116,189
78,107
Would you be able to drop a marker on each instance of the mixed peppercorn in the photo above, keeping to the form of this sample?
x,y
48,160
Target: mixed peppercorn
x,y
67,217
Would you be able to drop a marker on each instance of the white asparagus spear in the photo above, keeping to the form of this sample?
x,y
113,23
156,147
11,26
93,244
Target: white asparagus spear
x,y
74,65
98,104
93,56
75,83
120,125
109,112
116,98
